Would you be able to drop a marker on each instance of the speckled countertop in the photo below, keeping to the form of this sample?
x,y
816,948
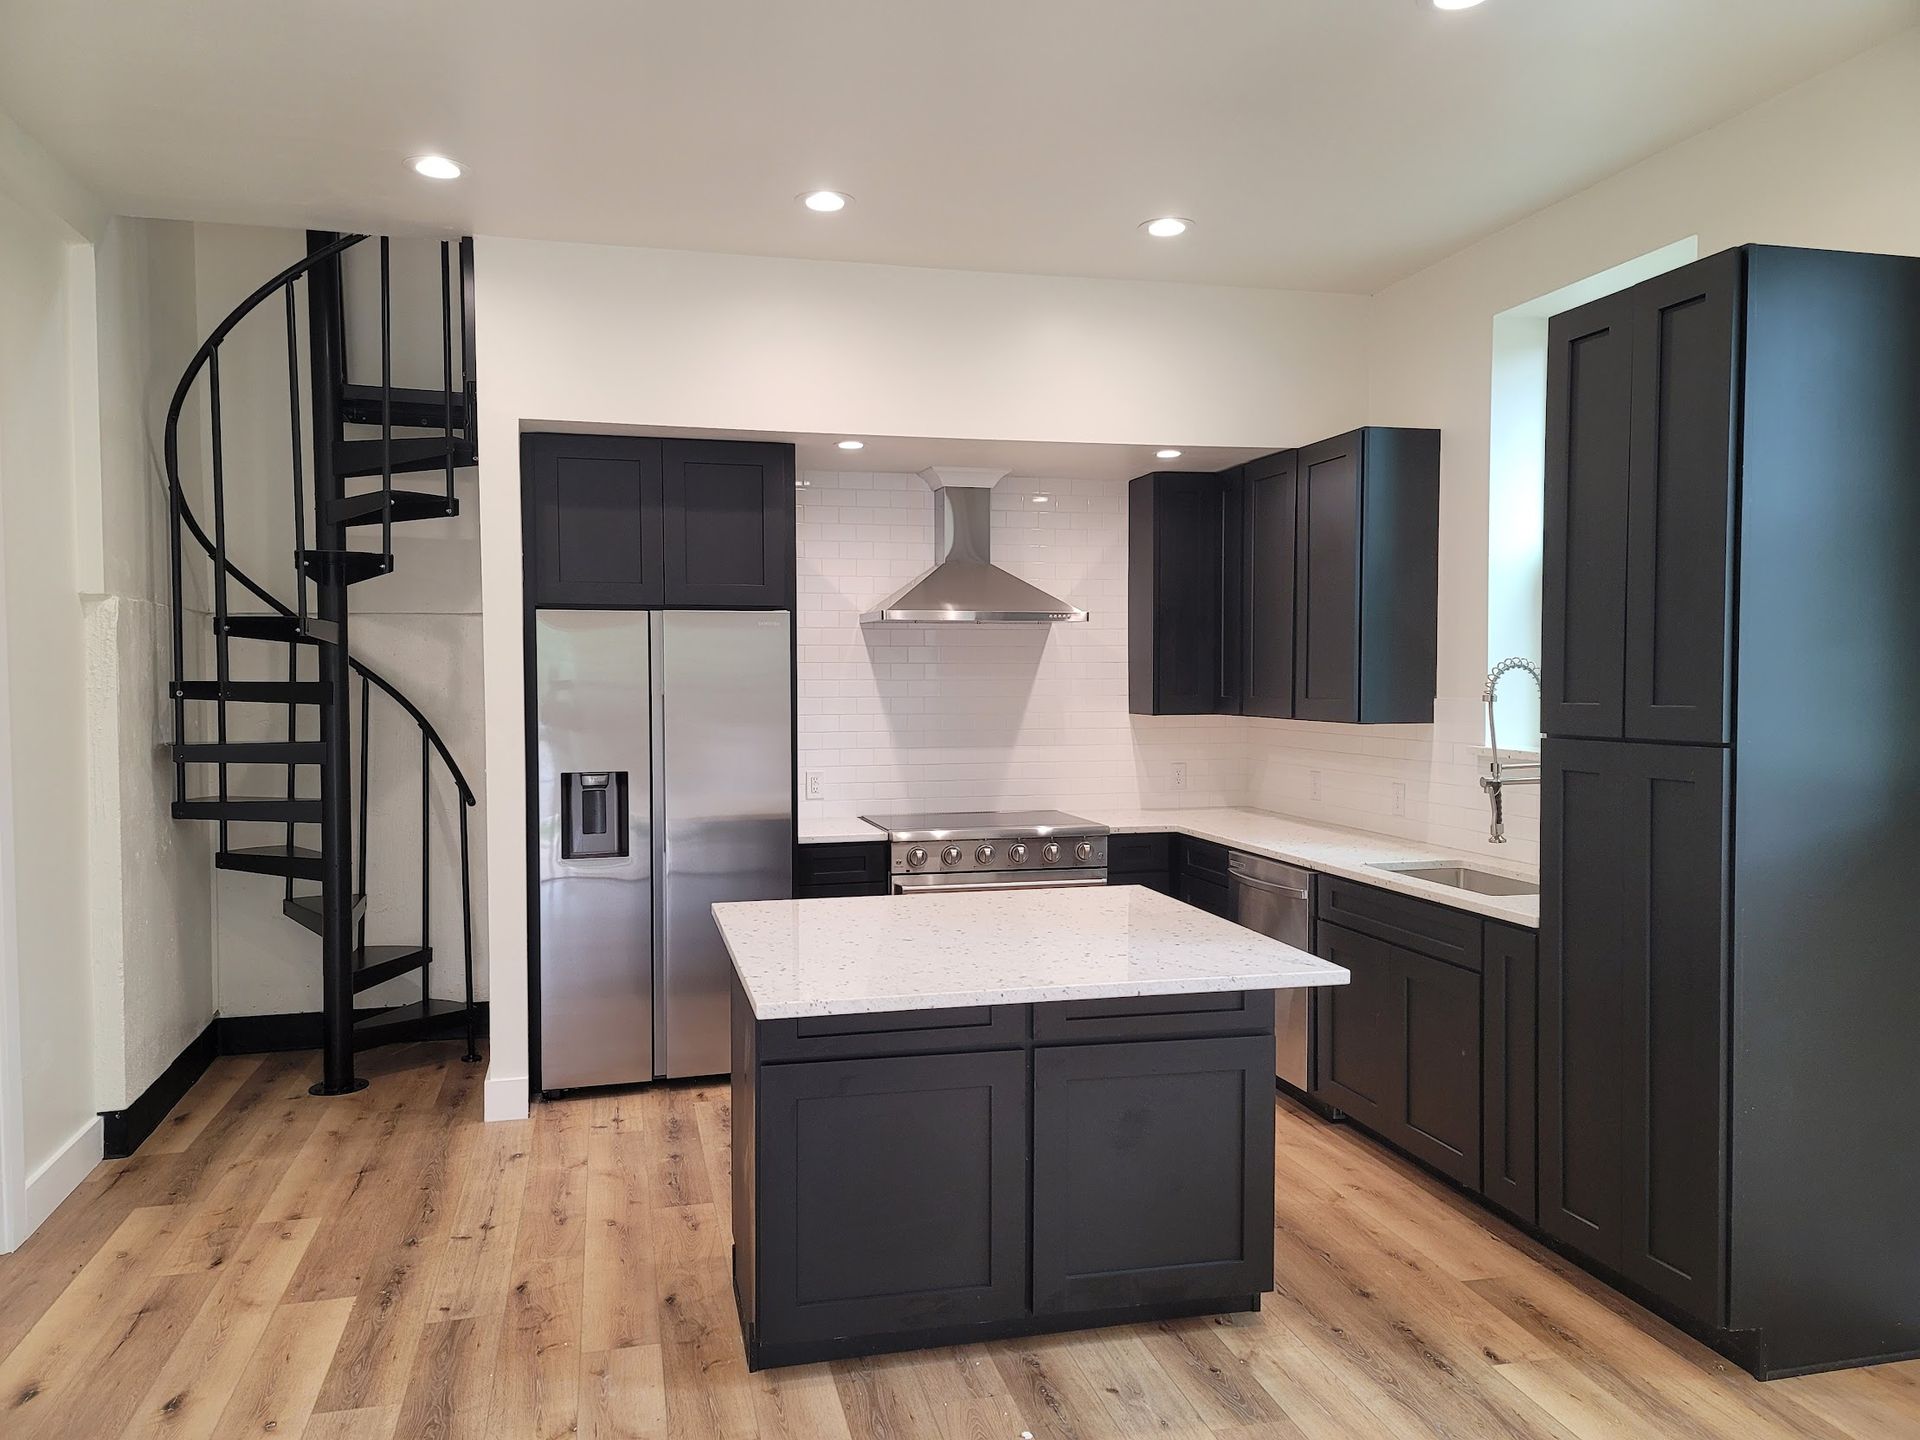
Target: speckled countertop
x,y
1350,854
930,952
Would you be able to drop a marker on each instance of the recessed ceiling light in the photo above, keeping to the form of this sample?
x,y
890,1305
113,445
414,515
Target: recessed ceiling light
x,y
853,444
1455,4
825,201
1165,227
435,167
1166,454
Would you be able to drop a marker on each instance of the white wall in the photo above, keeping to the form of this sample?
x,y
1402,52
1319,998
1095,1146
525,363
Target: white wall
x,y
585,334
982,717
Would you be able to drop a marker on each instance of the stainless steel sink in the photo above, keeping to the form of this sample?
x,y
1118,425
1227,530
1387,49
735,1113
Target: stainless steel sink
x,y
1462,877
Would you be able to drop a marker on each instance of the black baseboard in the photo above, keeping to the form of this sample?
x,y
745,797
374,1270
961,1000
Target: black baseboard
x,y
302,1030
123,1130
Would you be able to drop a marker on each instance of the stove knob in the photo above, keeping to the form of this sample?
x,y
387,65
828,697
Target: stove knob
x,y
1083,852
916,857
1049,853
1017,853
984,855
950,855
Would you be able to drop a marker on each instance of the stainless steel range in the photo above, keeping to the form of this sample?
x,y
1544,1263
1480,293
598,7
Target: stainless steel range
x,y
993,850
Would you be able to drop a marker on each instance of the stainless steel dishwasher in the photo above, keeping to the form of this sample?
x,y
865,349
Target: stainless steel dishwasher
x,y
1277,901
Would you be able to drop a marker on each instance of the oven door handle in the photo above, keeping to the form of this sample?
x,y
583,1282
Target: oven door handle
x,y
905,885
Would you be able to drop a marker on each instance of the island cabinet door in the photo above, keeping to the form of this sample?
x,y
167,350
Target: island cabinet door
x,y
892,1195
1152,1173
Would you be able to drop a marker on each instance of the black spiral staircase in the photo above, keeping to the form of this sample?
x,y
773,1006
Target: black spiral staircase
x,y
321,834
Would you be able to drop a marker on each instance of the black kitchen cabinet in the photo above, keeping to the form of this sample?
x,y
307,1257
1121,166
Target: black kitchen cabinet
x,y
840,868
1184,594
1509,1104
1142,860
1271,534
1583,605
729,524
595,518
1366,577
892,1194
1202,876
1400,1045
1634,995
632,522
1636,616
1197,1116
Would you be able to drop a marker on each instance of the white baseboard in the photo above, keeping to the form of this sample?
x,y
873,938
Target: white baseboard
x,y
62,1173
504,1097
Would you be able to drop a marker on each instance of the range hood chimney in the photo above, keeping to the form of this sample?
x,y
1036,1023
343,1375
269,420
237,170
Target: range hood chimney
x,y
965,587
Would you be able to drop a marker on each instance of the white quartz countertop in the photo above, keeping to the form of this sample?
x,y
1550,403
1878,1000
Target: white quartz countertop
x,y
865,954
836,829
1328,849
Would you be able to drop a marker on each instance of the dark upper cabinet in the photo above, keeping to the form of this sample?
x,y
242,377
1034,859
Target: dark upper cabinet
x,y
1366,577
1183,594
1271,534
1150,1165
1641,467
1583,603
892,1194
1509,1104
628,521
729,523
1634,994
595,520
1686,364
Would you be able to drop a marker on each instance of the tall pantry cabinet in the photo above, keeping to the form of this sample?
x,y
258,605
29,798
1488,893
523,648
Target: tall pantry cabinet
x,y
1729,989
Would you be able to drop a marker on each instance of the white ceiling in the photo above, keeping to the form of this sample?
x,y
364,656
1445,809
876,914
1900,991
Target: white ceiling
x,y
1318,144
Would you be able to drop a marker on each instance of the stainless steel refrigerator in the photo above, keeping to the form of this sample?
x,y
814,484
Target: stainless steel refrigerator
x,y
665,744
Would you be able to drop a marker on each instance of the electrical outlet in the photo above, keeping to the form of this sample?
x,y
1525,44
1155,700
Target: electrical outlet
x,y
816,785
1313,777
1399,798
1179,774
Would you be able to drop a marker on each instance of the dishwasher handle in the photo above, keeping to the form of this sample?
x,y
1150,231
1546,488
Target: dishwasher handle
x,y
1290,891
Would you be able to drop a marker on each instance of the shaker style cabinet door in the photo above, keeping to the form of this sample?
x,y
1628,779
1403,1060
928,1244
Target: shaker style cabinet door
x,y
1437,1113
1583,610
892,1194
1357,1028
594,521
1183,594
1685,458
1272,497
1153,1164
1326,658
1509,1150
729,522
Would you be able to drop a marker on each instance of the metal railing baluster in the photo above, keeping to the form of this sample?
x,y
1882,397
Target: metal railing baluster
x,y
386,404
299,465
366,774
446,356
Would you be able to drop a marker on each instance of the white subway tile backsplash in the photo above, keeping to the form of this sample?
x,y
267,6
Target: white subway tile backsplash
x,y
993,717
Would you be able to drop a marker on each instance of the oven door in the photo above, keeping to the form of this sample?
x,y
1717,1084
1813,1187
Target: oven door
x,y
978,882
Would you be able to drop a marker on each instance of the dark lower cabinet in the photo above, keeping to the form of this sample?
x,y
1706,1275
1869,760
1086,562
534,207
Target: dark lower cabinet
x,y
1142,860
1201,877
893,1194
1151,1162
840,868
1634,996
1400,1049
1509,1008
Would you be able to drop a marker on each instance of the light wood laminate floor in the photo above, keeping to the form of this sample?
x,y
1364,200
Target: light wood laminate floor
x,y
385,1265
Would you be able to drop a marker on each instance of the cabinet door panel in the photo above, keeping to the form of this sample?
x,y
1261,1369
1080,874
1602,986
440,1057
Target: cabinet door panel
x,y
1583,942
1327,568
729,523
893,1194
1211,896
1438,1111
594,513
1584,576
1358,1024
1153,1172
1686,366
1183,594
1509,1147
1272,535
1675,1018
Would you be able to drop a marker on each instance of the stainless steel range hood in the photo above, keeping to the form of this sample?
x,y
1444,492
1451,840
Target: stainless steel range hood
x,y
965,587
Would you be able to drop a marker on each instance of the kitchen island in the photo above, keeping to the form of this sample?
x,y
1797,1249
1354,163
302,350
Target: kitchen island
x,y
964,1116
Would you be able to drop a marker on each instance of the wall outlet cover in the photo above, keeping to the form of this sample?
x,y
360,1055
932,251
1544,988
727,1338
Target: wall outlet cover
x,y
1313,777
816,785
1399,797
1179,774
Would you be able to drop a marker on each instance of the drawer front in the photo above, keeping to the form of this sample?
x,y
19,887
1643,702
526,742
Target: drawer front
x,y
1150,1017
1129,854
860,863
1434,930
893,1032
1203,858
